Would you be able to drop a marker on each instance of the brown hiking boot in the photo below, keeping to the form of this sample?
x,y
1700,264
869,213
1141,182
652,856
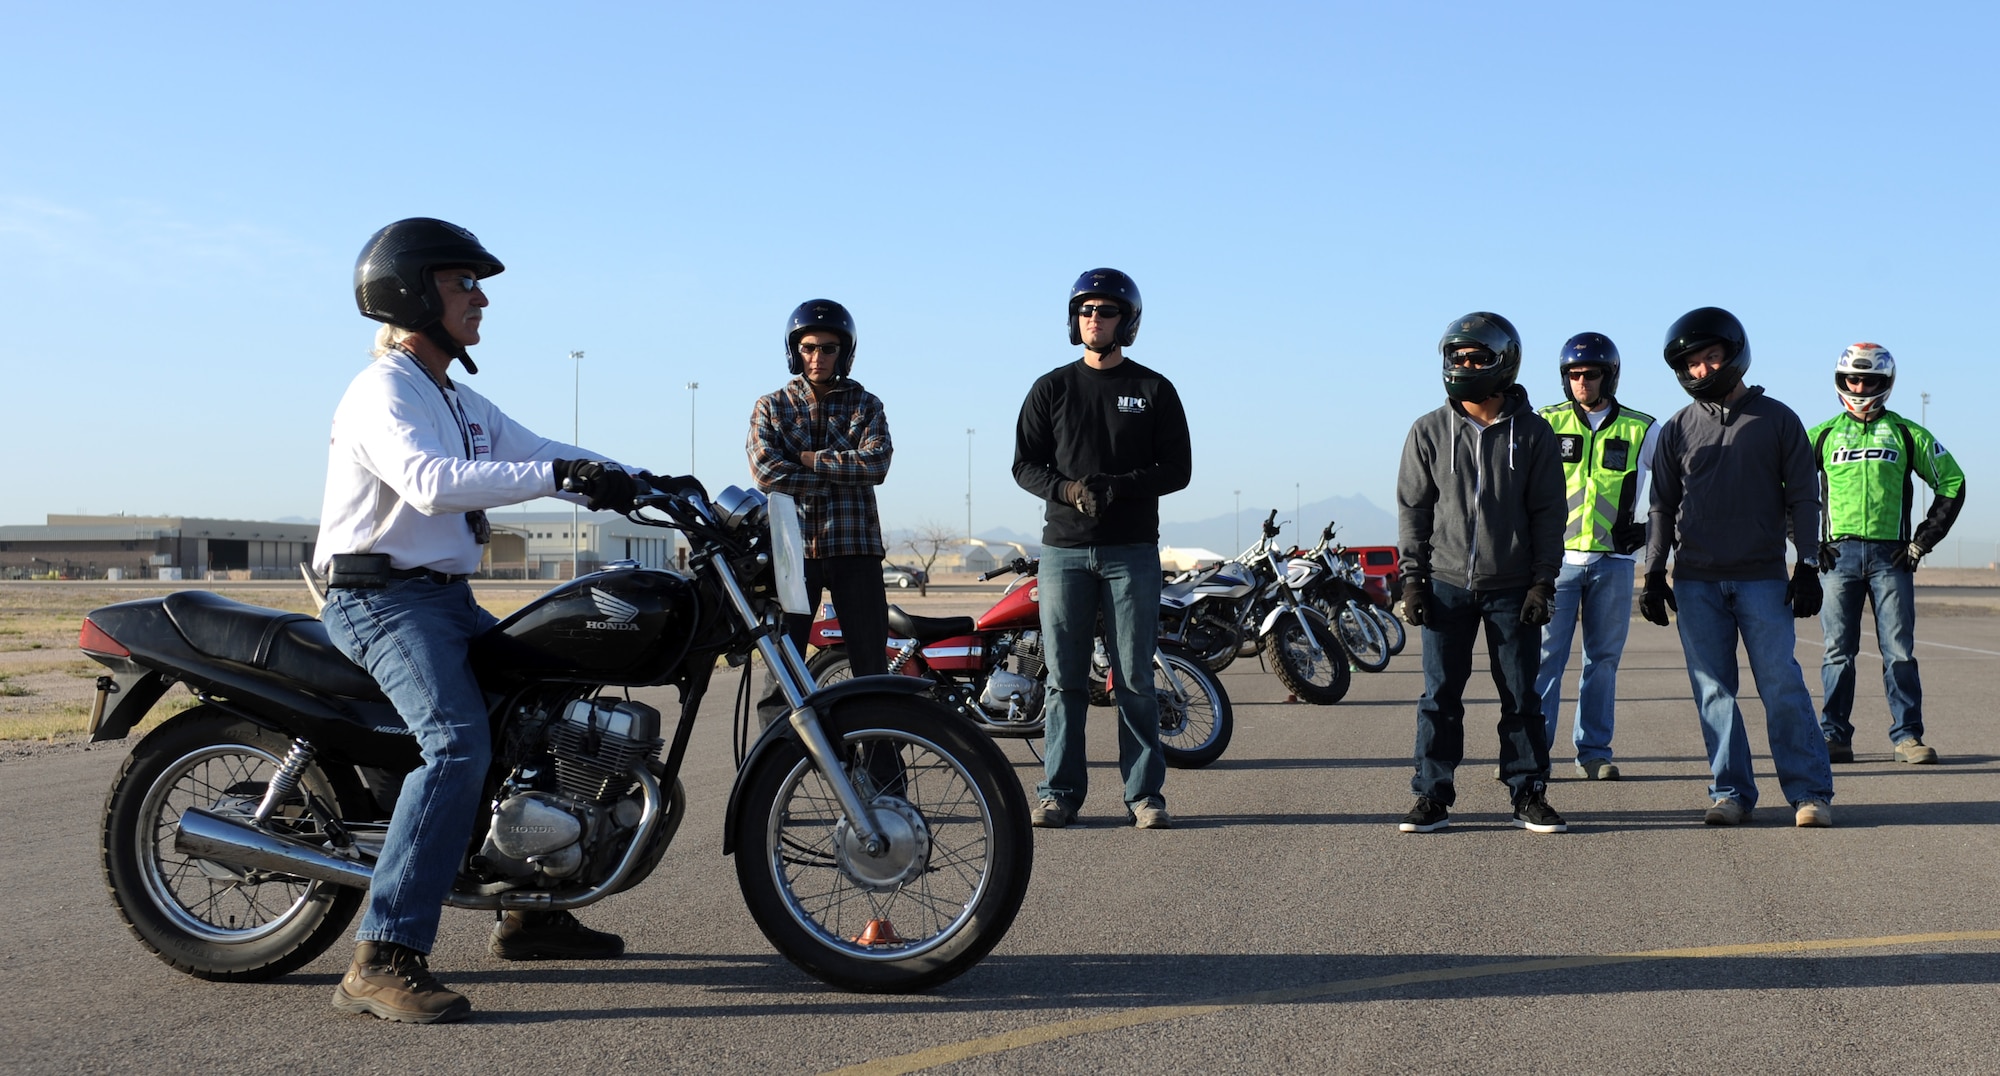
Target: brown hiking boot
x,y
395,983
551,936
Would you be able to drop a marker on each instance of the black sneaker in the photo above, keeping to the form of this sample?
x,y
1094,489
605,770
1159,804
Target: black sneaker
x,y
1839,752
551,936
1428,816
1535,815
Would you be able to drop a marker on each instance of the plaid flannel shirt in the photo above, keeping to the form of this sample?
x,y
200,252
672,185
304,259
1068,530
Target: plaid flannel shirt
x,y
848,433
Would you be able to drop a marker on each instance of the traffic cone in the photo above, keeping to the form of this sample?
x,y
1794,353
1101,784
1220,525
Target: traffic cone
x,y
879,932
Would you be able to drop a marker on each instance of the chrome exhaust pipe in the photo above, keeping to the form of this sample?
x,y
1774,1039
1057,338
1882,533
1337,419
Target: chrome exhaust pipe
x,y
206,835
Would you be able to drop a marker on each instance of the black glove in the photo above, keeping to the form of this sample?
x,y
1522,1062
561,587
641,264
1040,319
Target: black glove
x,y
1540,602
1829,555
1417,601
1803,592
1087,495
1905,557
603,485
686,486
1657,598
1628,537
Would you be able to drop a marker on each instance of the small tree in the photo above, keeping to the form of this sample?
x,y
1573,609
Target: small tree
x,y
925,546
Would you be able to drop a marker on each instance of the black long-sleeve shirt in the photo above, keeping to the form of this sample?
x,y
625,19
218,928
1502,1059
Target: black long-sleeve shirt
x,y
1126,423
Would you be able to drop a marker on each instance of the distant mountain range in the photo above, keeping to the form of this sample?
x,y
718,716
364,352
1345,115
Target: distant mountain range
x,y
1361,523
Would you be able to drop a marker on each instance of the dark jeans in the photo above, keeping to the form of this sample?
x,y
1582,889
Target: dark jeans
x,y
863,609
1866,572
1515,652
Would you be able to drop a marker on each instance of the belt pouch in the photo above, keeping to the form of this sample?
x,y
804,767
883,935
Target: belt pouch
x,y
361,571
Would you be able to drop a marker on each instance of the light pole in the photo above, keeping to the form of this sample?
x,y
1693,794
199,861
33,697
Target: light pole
x,y
968,486
692,386
1930,496
1239,519
575,437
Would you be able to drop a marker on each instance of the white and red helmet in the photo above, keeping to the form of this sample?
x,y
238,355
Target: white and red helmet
x,y
1874,363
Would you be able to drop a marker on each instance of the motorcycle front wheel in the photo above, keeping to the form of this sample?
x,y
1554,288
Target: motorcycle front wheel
x,y
1320,679
1360,634
947,886
1196,719
216,920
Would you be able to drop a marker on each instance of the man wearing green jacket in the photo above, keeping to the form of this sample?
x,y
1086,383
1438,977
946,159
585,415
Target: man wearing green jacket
x,y
1869,458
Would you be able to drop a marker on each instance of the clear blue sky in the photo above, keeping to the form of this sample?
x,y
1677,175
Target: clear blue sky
x,y
1306,194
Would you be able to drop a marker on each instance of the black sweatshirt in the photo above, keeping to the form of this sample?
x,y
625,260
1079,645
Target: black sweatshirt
x,y
1125,423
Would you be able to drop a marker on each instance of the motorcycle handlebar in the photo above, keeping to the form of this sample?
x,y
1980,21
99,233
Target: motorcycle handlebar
x,y
1020,566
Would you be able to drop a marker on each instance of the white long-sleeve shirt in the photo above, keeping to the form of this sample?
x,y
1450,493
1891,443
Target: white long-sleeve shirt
x,y
408,460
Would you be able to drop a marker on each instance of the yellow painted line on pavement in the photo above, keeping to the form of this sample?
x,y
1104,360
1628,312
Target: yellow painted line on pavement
x,y
1065,1029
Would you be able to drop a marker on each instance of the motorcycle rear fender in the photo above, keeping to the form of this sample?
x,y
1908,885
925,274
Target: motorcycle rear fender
x,y
134,691
820,701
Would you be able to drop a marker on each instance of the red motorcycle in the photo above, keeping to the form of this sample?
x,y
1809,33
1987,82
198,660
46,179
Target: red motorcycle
x,y
990,669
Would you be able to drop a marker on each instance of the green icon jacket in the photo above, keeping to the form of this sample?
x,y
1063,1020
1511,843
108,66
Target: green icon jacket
x,y
1867,479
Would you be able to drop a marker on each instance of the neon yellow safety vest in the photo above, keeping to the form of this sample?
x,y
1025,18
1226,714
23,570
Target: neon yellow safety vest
x,y
1600,472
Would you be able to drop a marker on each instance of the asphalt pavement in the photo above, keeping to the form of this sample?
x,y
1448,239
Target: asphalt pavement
x,y
1283,925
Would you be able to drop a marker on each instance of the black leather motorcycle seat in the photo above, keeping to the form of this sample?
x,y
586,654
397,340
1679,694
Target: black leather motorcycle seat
x,y
291,645
927,629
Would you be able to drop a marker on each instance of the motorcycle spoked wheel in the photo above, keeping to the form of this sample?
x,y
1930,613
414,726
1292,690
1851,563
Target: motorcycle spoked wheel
x,y
213,920
957,867
1195,727
829,665
1359,634
1392,629
1322,681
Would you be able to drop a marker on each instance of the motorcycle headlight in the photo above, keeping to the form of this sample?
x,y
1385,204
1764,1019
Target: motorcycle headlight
x,y
788,554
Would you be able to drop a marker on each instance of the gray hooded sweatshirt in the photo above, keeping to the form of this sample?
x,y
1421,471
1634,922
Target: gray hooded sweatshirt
x,y
1726,480
1481,509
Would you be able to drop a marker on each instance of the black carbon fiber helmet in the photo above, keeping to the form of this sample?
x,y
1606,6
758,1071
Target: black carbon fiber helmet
x,y
1697,331
1590,349
1491,373
824,315
1107,284
392,278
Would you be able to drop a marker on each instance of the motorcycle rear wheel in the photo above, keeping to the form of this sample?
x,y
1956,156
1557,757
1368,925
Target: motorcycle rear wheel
x,y
1196,731
213,920
956,869
1321,681
1392,629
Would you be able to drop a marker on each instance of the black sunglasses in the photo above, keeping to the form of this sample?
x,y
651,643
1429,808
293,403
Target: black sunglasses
x,y
809,350
1100,310
1588,373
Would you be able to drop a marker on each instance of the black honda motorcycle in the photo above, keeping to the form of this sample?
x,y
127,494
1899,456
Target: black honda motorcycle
x,y
881,844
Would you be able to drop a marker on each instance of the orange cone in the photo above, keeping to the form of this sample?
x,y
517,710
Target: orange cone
x,y
879,932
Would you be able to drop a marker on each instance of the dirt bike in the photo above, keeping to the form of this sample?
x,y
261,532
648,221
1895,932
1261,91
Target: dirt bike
x,y
1352,601
1303,650
990,670
1203,610
880,844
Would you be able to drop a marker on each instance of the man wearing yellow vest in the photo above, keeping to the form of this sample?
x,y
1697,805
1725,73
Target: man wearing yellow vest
x,y
1606,451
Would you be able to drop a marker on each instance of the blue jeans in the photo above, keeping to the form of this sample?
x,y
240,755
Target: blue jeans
x,y
414,637
1513,651
1122,581
1602,593
1712,617
1865,570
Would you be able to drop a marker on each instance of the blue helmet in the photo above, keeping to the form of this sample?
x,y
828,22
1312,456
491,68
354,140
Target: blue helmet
x,y
1106,284
825,315
1590,349
1495,371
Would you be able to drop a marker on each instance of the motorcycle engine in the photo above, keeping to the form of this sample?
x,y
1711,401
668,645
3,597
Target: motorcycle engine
x,y
539,831
1017,695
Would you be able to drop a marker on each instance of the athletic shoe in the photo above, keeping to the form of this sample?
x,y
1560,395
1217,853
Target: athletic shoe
x,y
1051,814
1597,769
1814,814
1915,753
1535,815
1839,752
1428,816
1726,812
1149,815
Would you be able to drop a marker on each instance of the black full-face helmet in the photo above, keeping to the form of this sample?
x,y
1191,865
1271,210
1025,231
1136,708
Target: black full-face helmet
x,y
392,277
823,315
1493,369
1696,332
1107,284
1589,349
